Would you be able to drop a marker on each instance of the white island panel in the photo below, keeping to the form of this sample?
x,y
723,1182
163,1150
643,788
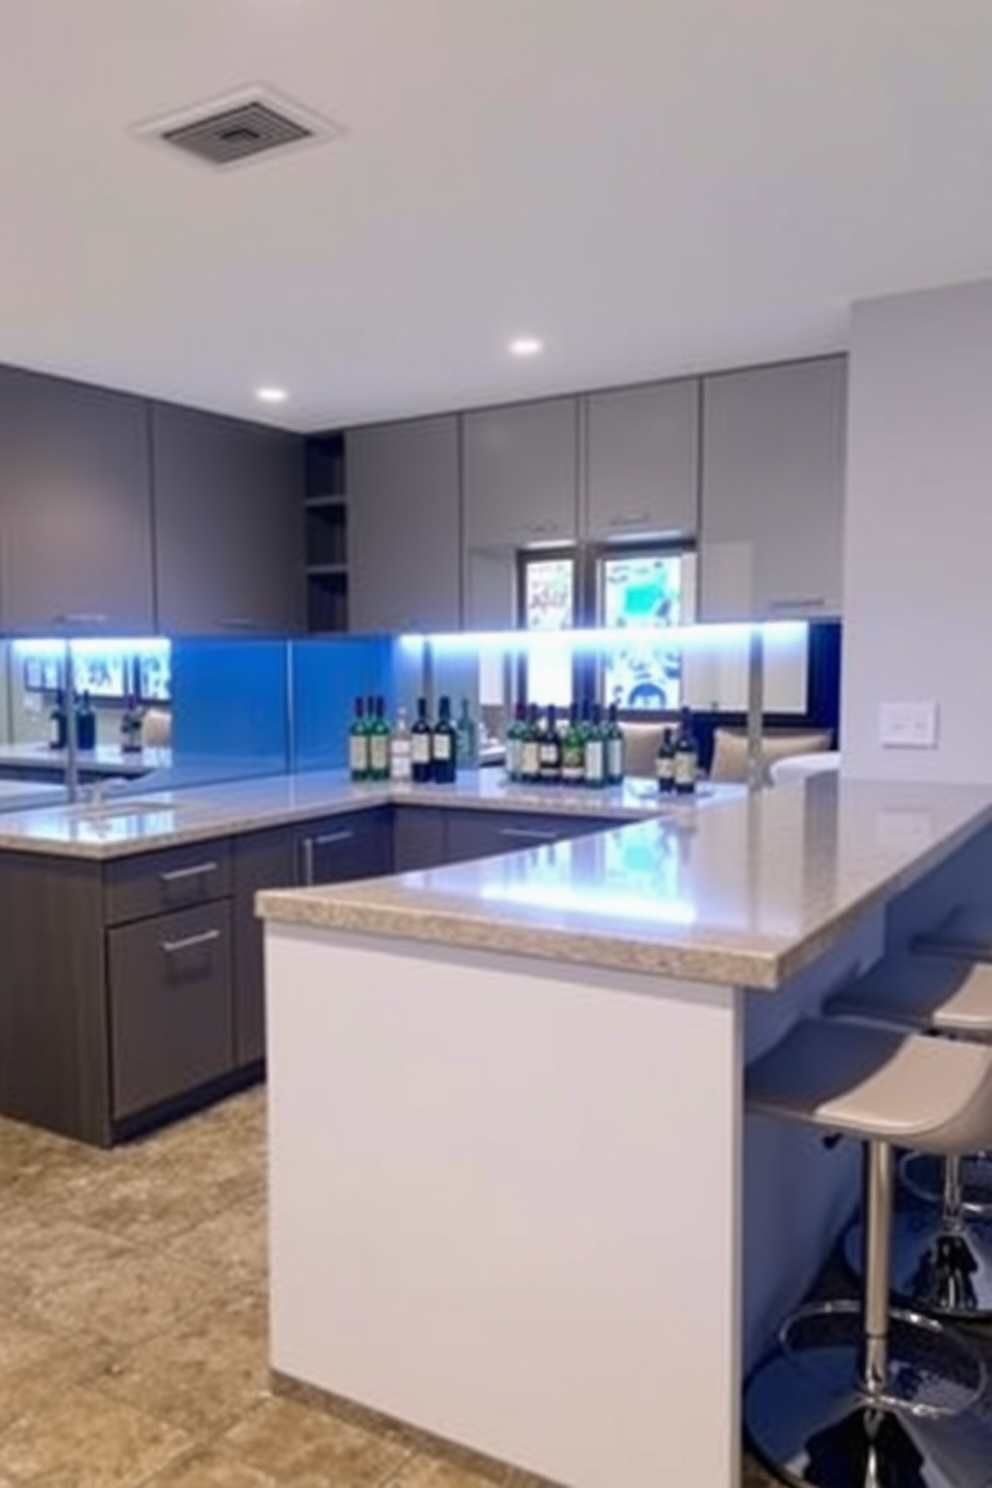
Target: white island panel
x,y
506,1206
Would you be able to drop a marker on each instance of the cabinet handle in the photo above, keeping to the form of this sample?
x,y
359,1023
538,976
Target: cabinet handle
x,y
176,875
80,619
306,847
631,519
330,837
529,834
238,622
813,603
189,942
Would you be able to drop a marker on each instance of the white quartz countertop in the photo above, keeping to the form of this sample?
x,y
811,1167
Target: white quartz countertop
x,y
745,892
143,820
16,794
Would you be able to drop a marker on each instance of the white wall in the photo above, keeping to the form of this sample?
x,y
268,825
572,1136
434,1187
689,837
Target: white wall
x,y
918,531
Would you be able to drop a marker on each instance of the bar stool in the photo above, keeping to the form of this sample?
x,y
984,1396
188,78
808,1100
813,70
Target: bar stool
x,y
858,1395
942,1252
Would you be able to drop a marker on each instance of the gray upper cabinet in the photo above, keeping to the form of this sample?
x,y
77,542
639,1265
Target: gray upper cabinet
x,y
75,508
642,462
773,491
404,525
520,471
228,514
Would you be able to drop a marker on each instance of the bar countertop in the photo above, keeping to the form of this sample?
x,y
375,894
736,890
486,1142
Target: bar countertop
x,y
745,892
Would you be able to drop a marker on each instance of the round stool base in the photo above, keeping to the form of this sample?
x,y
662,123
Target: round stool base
x,y
923,1176
938,1271
814,1428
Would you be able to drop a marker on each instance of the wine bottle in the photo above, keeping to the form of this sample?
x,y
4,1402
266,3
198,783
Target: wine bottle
x,y
358,743
401,749
664,764
57,722
444,746
615,749
468,752
686,756
379,733
515,741
85,723
595,750
132,724
420,745
573,750
549,750
530,750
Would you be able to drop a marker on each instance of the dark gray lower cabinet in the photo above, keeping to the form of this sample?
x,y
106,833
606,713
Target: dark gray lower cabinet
x,y
483,834
134,989
171,1012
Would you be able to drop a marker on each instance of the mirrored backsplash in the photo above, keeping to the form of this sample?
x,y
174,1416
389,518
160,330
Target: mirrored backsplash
x,y
212,709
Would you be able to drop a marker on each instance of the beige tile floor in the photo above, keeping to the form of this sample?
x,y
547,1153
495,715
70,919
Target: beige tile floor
x,y
133,1342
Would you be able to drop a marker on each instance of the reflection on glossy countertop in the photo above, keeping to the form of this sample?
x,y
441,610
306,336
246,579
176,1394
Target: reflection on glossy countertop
x,y
141,819
745,892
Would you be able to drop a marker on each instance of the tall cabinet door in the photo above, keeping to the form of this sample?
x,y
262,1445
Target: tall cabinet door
x,y
773,491
404,525
521,480
228,524
642,462
75,507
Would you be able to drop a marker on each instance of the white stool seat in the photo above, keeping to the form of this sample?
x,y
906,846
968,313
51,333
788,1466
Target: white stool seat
x,y
938,994
966,931
931,1094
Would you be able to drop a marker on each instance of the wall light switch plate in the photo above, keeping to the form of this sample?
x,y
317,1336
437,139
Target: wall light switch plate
x,y
907,725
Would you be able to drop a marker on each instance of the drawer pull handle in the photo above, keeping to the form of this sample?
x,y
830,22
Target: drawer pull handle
x,y
189,942
198,870
529,834
331,837
630,519
798,604
80,619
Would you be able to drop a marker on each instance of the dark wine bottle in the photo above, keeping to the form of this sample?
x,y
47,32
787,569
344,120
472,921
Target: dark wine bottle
x,y
420,745
573,749
664,764
530,748
85,723
549,750
358,743
57,722
444,746
686,756
615,748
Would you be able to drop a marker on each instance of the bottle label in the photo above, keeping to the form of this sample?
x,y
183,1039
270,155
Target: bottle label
x,y
379,753
664,767
514,753
442,747
594,762
685,767
400,765
614,759
358,754
530,758
549,754
421,749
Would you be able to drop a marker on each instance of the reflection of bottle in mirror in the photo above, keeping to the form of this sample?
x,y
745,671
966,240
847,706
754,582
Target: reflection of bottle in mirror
x,y
401,749
615,749
468,752
85,723
57,722
132,725
686,756
664,765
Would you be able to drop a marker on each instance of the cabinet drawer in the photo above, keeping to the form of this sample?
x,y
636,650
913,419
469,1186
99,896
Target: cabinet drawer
x,y
480,834
157,883
420,838
357,845
171,1020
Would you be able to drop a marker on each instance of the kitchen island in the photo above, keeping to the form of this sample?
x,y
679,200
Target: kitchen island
x,y
515,1201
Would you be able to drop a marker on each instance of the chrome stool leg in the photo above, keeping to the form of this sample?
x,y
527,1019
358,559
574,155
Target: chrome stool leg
x,y
862,1396
942,1257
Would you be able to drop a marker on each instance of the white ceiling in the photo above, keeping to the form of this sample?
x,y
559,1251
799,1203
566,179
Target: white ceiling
x,y
653,186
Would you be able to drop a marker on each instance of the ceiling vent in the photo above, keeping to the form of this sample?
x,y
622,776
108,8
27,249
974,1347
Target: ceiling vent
x,y
240,127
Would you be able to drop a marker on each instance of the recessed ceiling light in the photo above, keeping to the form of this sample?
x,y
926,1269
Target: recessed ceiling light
x,y
526,346
271,395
